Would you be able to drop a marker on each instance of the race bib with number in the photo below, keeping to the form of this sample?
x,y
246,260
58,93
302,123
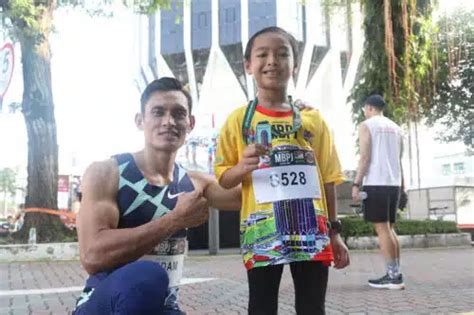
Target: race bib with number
x,y
170,255
293,175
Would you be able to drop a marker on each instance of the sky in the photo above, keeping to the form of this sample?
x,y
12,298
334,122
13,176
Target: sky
x,y
94,92
93,71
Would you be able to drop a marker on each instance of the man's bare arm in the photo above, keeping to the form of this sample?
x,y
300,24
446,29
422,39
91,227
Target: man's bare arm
x,y
401,165
102,245
365,153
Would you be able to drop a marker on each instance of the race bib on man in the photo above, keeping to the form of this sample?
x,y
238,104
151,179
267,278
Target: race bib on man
x,y
293,175
170,255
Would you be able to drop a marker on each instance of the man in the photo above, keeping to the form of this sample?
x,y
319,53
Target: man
x,y
380,173
139,205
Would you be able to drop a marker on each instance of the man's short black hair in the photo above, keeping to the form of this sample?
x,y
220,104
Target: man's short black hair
x,y
376,101
165,84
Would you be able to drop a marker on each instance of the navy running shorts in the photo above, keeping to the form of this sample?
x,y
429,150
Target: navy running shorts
x,y
381,203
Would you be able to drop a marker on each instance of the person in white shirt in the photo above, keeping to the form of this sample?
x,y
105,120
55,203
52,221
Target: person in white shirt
x,y
379,174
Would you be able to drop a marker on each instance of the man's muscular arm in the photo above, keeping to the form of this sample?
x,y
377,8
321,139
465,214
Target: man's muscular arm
x,y
102,246
365,145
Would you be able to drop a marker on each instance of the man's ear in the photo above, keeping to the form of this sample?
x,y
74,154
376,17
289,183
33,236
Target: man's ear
x,y
192,123
139,120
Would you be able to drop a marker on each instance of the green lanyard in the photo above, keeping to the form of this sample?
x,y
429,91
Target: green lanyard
x,y
250,111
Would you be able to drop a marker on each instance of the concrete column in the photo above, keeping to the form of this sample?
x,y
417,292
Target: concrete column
x,y
213,231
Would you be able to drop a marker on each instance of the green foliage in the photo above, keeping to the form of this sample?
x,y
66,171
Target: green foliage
x,y
411,89
8,181
26,12
413,227
355,226
453,105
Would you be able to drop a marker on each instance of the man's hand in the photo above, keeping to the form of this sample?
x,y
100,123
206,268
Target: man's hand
x,y
355,193
403,200
191,209
340,252
250,158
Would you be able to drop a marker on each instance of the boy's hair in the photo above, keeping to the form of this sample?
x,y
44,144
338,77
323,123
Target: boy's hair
x,y
164,84
273,29
376,101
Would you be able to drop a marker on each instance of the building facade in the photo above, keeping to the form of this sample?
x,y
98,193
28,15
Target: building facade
x,y
201,43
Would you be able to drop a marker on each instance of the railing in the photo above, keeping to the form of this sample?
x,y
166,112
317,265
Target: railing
x,y
66,216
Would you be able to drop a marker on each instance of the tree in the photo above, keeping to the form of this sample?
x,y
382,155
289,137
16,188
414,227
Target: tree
x,y
30,22
397,63
453,105
7,185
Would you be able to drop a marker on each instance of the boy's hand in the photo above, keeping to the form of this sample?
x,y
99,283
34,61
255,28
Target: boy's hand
x,y
340,252
250,158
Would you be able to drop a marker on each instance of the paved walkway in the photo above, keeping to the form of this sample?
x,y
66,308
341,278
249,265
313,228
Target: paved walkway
x,y
439,281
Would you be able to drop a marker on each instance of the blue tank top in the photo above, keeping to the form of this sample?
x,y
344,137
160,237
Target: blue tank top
x,y
140,202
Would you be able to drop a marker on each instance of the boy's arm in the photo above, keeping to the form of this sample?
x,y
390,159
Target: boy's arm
x,y
217,196
331,174
340,252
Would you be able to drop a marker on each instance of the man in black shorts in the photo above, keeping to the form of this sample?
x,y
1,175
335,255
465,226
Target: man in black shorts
x,y
380,173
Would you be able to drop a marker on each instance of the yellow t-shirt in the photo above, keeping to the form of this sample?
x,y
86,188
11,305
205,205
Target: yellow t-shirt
x,y
283,231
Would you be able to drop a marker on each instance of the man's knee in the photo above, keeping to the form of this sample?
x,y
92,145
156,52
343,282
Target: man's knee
x,y
148,272
144,288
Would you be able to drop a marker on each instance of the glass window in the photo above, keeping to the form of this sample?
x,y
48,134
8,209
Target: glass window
x,y
262,13
229,22
201,20
446,169
458,168
172,30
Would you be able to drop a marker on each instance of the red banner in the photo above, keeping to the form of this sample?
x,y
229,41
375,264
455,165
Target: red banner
x,y
63,183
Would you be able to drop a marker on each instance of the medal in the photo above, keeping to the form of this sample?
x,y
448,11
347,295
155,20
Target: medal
x,y
250,111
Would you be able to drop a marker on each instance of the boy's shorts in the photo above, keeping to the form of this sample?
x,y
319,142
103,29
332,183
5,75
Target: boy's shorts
x,y
381,203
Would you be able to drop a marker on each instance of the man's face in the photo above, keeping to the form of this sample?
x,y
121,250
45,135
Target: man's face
x,y
166,120
271,61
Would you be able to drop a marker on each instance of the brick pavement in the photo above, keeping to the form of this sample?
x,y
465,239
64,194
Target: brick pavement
x,y
439,281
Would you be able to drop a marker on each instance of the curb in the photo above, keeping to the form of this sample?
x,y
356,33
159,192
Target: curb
x,y
35,252
70,251
413,241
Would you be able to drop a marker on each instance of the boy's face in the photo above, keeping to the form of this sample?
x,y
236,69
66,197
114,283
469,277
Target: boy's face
x,y
166,120
271,61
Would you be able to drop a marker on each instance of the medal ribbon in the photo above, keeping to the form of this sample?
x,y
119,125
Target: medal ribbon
x,y
250,111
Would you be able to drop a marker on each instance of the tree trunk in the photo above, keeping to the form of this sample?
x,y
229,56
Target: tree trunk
x,y
38,111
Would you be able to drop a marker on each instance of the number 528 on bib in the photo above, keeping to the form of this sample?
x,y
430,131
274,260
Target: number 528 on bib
x,y
286,183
